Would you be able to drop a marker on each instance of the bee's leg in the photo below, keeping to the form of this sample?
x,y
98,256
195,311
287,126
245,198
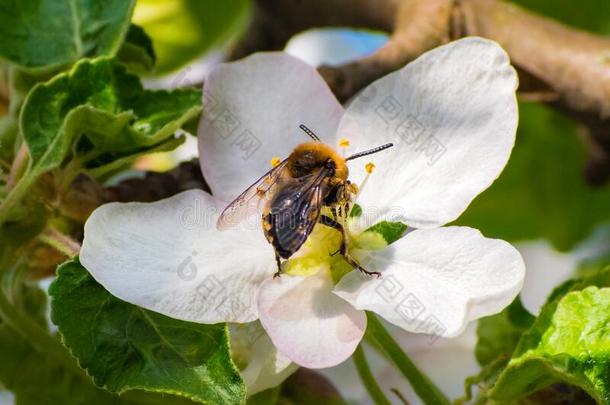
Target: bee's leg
x,y
343,249
278,261
354,264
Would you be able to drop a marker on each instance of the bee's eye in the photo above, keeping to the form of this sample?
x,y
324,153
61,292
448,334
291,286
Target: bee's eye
x,y
330,164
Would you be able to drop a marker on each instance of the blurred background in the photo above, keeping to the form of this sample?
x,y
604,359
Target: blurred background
x,y
546,201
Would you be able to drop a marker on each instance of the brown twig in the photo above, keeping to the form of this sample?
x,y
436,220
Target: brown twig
x,y
84,194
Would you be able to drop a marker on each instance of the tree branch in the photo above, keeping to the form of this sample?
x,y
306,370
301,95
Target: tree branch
x,y
418,27
563,66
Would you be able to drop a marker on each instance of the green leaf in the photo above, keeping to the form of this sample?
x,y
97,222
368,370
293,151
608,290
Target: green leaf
x,y
137,51
569,342
484,381
390,231
50,33
125,347
96,113
34,379
499,334
356,211
100,100
184,29
541,193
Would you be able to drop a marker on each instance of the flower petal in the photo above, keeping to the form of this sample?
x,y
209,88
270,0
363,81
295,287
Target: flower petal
x,y
266,367
168,257
435,281
306,322
452,116
252,112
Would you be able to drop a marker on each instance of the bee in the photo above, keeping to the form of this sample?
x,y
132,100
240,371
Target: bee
x,y
292,196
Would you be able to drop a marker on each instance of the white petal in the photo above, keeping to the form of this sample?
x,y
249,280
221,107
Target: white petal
x,y
452,116
266,366
307,322
435,281
252,112
168,257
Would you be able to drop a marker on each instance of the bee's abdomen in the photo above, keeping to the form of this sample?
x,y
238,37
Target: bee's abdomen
x,y
289,220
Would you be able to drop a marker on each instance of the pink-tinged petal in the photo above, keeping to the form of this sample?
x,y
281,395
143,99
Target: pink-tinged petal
x,y
435,281
452,117
307,322
168,257
252,110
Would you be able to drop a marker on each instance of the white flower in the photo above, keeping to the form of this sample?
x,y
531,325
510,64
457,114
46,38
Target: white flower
x,y
451,116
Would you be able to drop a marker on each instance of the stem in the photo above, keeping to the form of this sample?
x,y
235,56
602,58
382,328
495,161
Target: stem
x,y
367,378
39,338
422,385
60,242
18,165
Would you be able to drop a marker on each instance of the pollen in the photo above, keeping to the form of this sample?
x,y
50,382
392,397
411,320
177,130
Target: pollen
x,y
343,142
275,161
369,167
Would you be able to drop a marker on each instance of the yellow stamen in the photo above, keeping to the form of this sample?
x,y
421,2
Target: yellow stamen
x,y
343,142
369,167
275,161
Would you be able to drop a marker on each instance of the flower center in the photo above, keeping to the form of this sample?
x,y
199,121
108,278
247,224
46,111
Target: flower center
x,y
321,250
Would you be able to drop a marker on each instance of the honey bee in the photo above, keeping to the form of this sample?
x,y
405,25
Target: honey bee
x,y
292,196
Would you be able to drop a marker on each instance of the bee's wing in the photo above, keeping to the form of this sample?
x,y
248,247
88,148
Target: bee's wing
x,y
296,210
249,202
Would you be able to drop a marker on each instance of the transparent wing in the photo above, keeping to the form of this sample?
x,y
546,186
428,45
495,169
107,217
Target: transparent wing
x,y
251,200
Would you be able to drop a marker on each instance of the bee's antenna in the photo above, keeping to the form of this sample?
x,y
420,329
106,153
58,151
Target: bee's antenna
x,y
370,151
309,132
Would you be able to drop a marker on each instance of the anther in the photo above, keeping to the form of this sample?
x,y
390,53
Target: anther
x,y
275,161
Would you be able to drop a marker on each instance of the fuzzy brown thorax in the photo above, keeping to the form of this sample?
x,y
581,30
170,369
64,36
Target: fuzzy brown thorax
x,y
309,156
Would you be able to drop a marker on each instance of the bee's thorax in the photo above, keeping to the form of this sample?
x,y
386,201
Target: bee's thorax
x,y
308,157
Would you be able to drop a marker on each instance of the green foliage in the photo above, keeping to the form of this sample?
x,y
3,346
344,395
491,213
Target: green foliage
x,y
137,51
49,33
390,231
34,377
498,334
184,29
356,211
97,114
124,347
100,100
541,193
567,343
590,15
